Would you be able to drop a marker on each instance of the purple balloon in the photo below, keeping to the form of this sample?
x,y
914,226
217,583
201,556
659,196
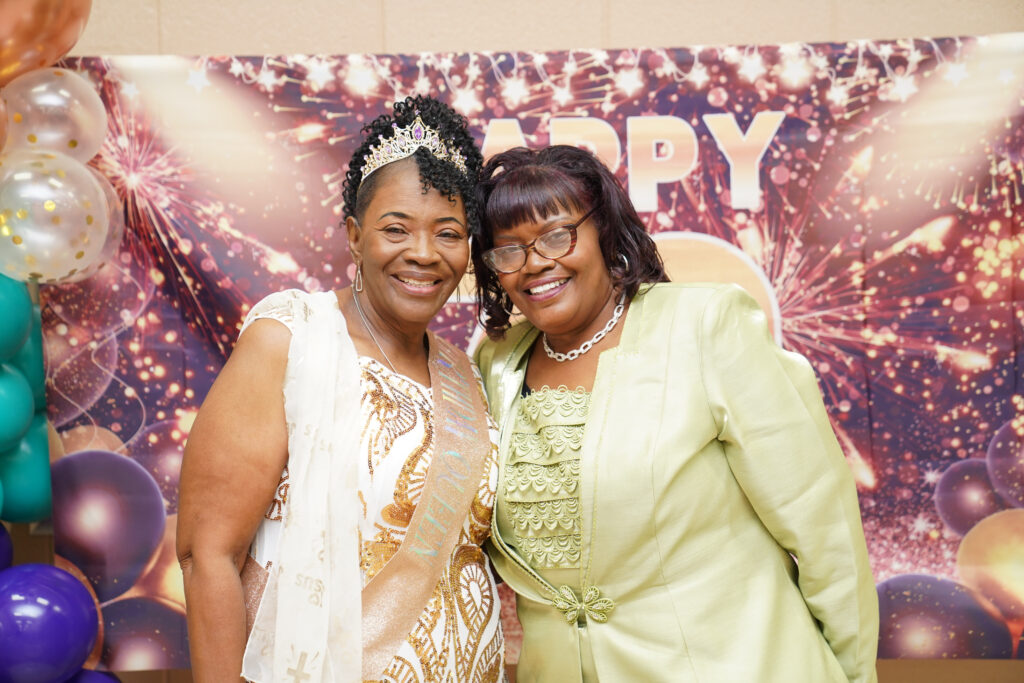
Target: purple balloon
x,y
143,633
6,548
1005,460
48,624
108,518
964,495
925,617
90,676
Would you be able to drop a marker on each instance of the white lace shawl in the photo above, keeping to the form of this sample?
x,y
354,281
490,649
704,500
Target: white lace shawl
x,y
308,626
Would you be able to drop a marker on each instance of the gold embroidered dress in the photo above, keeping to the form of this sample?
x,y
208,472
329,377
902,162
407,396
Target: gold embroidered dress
x,y
458,636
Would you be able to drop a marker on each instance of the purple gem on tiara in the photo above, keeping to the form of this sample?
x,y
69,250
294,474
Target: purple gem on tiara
x,y
417,131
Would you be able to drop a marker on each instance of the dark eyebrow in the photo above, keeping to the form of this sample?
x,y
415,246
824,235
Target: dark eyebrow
x,y
449,219
405,216
503,234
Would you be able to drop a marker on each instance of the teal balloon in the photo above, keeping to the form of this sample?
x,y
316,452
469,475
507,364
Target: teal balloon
x,y
29,360
16,406
16,321
25,476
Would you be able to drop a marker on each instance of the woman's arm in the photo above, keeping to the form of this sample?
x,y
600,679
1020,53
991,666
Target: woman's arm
x,y
783,453
233,460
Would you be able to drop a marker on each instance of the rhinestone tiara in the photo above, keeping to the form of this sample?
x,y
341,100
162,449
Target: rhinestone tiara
x,y
405,142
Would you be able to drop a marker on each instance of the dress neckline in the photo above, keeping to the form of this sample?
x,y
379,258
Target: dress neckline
x,y
380,366
424,387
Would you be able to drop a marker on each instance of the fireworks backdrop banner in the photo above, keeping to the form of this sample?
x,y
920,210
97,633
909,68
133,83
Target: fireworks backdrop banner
x,y
869,195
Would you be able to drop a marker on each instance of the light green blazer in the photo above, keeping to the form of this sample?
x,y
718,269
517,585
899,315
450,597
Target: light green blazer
x,y
719,514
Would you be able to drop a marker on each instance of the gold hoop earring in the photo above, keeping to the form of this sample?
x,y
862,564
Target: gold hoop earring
x,y
358,284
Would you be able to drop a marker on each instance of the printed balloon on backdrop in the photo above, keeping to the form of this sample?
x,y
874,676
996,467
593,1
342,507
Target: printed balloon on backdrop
x,y
53,216
144,633
36,33
79,369
1005,460
991,561
109,519
89,438
112,298
162,578
159,449
925,617
55,110
964,495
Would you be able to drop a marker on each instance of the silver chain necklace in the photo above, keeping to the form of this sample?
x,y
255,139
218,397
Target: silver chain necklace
x,y
359,310
587,345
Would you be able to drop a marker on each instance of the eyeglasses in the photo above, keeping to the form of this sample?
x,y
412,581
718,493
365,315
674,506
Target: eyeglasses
x,y
553,244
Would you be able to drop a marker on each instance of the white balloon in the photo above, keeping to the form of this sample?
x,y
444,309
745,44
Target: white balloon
x,y
55,110
53,216
115,230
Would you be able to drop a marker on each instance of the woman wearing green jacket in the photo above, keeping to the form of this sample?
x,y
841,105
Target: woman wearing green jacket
x,y
672,502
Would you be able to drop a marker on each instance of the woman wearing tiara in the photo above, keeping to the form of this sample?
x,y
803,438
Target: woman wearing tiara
x,y
339,478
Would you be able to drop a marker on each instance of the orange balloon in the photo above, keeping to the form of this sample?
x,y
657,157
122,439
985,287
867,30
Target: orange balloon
x,y
97,650
36,33
3,122
991,561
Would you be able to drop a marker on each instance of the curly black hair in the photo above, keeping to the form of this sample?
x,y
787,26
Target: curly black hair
x,y
529,185
435,173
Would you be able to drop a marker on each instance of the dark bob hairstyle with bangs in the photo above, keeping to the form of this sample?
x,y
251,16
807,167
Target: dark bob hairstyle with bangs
x,y
523,185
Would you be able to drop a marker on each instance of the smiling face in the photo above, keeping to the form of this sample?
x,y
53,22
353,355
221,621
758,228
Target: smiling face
x,y
563,297
413,247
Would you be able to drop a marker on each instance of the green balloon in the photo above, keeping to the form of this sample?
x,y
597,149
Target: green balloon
x,y
17,318
16,406
25,477
29,360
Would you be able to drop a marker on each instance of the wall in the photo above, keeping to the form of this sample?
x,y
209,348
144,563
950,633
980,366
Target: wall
x,y
337,26
341,26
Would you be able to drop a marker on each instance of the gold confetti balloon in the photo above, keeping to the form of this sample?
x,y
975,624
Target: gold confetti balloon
x,y
115,230
55,110
53,216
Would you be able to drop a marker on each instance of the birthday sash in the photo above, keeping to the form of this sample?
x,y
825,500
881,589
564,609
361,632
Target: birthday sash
x,y
394,598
